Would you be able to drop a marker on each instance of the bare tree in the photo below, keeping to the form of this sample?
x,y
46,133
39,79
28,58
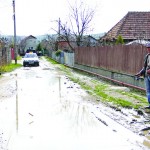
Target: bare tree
x,y
80,17
50,44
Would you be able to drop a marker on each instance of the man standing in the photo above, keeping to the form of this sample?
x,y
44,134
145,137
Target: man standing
x,y
146,73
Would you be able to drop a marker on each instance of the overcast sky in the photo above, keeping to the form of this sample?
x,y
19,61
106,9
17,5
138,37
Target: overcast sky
x,y
34,17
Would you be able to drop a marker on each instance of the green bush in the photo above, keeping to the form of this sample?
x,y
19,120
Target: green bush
x,y
58,52
119,40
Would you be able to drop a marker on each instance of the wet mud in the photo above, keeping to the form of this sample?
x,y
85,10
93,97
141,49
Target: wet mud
x,y
40,108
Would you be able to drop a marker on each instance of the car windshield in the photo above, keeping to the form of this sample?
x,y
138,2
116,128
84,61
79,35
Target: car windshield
x,y
30,55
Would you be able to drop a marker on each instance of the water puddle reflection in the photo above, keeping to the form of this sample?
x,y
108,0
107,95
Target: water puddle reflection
x,y
51,112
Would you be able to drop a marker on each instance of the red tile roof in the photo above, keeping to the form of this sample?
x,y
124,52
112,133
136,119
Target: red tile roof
x,y
135,25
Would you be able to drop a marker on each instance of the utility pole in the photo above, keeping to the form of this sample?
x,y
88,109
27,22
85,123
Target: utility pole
x,y
14,17
59,29
58,39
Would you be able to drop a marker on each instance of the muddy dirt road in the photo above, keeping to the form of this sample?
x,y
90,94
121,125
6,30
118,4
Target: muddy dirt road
x,y
41,109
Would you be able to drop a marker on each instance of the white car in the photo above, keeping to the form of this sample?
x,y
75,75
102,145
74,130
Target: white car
x,y
30,59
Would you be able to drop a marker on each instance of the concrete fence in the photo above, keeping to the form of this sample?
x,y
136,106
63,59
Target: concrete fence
x,y
5,56
123,78
64,58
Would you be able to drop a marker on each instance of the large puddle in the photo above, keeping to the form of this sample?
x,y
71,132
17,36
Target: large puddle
x,y
50,112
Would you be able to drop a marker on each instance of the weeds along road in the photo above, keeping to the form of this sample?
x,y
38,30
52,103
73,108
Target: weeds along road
x,y
41,109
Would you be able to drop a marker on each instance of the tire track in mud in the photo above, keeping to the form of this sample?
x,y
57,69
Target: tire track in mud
x,y
7,92
7,87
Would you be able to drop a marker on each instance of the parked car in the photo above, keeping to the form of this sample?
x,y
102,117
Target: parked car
x,y
30,59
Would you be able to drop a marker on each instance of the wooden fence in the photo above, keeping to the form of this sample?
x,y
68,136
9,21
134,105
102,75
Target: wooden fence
x,y
126,59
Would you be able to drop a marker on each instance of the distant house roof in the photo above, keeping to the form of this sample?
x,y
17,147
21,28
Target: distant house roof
x,y
30,36
89,40
26,38
134,25
89,37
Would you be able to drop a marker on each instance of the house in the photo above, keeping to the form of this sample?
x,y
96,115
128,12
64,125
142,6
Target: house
x,y
28,43
133,26
89,41
64,45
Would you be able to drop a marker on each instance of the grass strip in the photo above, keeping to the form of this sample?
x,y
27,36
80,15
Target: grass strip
x,y
9,67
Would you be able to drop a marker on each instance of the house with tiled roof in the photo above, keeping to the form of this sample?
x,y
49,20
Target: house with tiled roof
x,y
28,43
133,26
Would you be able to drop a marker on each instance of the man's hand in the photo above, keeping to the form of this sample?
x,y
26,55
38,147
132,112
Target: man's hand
x,y
138,75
